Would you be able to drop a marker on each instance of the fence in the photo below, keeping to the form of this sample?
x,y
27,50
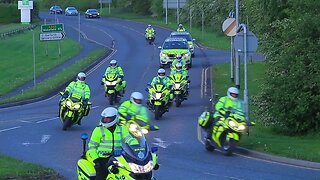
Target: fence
x,y
17,31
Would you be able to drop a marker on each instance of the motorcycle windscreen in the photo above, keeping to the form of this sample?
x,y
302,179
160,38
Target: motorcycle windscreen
x,y
137,148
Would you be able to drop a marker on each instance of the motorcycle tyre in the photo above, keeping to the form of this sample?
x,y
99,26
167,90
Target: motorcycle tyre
x,y
157,112
178,101
232,146
112,98
66,123
208,145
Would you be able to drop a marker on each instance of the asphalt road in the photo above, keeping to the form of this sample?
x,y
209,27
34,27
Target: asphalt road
x,y
32,132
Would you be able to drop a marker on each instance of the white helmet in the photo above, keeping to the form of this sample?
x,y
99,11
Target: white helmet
x,y
136,98
179,56
109,117
149,25
81,77
179,66
180,25
113,62
161,73
233,93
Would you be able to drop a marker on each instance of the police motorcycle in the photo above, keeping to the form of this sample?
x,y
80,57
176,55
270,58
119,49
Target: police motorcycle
x,y
150,37
132,162
227,132
114,87
179,88
71,110
159,99
145,127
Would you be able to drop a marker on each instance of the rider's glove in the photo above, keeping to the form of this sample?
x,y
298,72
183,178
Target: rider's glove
x,y
85,102
128,117
97,164
65,95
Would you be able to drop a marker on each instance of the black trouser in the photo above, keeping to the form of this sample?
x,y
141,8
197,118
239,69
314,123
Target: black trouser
x,y
102,170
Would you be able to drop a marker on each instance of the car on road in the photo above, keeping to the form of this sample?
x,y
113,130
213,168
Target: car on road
x,y
92,13
55,10
71,11
173,46
188,37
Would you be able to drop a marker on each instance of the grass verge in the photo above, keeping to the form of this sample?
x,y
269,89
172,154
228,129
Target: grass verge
x,y
55,81
15,169
17,61
261,138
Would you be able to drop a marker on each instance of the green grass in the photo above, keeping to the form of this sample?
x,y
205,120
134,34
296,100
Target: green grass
x,y
51,83
207,38
261,138
17,63
15,169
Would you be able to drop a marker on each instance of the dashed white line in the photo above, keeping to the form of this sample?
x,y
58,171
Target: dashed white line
x,y
8,129
45,120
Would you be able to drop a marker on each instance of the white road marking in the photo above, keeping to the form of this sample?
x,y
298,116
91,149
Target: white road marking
x,y
8,129
219,175
161,143
45,120
44,139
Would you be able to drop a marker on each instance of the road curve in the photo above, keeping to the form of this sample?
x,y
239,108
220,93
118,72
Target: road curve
x,y
32,132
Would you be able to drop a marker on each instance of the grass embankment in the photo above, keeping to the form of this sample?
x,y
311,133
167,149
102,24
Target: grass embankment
x,y
15,169
17,61
261,138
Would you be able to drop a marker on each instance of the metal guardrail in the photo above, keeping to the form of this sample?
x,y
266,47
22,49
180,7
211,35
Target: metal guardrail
x,y
17,31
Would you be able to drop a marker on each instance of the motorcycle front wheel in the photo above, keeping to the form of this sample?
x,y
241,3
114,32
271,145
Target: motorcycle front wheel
x,y
66,123
112,98
229,147
157,112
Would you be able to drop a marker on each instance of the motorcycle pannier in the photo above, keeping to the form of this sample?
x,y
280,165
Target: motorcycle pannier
x,y
204,119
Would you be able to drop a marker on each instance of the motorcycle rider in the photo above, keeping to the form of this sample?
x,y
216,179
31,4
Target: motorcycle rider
x,y
178,69
133,108
226,103
181,28
178,59
162,78
105,140
150,30
115,69
80,90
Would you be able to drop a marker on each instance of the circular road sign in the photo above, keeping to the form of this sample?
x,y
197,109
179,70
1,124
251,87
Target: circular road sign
x,y
229,27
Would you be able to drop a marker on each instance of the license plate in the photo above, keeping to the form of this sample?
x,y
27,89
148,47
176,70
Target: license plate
x,y
157,103
177,92
110,91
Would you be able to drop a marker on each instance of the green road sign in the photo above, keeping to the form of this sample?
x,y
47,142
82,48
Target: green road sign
x,y
52,28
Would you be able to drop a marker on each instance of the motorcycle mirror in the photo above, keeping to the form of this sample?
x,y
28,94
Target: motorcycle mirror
x,y
61,92
193,39
117,153
154,149
84,136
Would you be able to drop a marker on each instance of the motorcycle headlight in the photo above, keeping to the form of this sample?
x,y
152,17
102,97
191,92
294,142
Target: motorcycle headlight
x,y
77,106
144,131
191,46
68,103
133,127
141,169
158,95
242,127
177,85
163,55
186,55
232,124
111,83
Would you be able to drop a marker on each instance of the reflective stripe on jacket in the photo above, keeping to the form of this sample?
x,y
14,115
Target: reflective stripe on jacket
x,y
103,142
128,108
79,88
228,104
116,70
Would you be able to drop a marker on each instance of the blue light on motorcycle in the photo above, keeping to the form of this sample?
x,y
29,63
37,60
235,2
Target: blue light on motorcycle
x,y
84,136
154,149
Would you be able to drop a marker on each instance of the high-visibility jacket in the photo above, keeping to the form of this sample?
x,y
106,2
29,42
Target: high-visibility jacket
x,y
228,104
116,70
165,80
103,142
79,90
129,108
150,30
181,29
